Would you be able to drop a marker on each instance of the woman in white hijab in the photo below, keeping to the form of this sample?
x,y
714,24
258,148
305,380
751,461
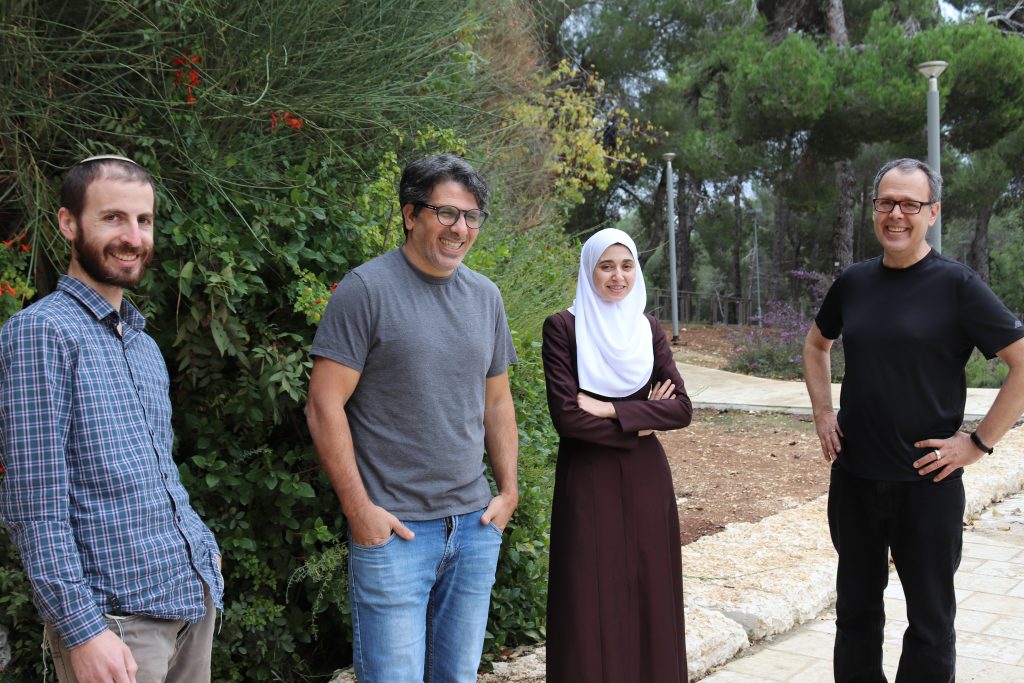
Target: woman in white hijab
x,y
615,600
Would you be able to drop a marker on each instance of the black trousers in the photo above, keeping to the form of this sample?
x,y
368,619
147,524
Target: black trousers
x,y
921,522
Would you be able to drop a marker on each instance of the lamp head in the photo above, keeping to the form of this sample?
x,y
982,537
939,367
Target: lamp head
x,y
668,156
932,69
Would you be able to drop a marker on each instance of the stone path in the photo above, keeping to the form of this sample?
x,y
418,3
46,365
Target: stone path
x,y
710,388
989,621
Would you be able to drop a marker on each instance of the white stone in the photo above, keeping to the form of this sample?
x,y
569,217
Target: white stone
x,y
711,640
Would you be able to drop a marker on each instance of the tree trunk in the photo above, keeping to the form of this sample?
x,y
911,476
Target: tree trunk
x,y
737,278
657,232
842,233
687,199
865,201
978,257
778,245
837,23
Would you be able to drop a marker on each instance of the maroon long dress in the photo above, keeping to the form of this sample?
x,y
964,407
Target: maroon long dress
x,y
615,584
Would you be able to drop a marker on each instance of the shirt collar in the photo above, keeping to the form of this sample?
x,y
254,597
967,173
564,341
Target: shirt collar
x,y
100,308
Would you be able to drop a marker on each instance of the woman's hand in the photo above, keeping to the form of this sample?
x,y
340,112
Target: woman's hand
x,y
591,405
663,391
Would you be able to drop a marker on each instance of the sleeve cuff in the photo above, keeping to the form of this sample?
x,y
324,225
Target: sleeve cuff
x,y
80,629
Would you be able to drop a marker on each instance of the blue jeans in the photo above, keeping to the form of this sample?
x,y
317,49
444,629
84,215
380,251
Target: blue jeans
x,y
419,607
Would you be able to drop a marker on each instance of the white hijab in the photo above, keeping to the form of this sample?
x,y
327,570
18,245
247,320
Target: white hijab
x,y
614,350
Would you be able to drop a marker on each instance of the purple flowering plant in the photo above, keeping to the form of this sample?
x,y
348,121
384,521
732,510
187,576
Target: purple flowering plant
x,y
775,348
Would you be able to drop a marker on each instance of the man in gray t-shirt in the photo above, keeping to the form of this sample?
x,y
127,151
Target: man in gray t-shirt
x,y
409,388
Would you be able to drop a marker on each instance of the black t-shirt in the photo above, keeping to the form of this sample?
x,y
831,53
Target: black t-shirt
x,y
907,335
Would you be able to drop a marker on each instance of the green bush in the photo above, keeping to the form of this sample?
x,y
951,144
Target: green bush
x,y
276,146
536,272
985,373
276,132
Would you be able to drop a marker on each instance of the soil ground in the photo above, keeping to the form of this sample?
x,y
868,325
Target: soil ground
x,y
737,466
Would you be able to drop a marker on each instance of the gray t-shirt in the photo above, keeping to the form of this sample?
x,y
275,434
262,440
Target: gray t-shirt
x,y
425,347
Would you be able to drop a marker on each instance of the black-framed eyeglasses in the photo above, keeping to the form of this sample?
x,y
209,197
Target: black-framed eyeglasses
x,y
449,215
907,206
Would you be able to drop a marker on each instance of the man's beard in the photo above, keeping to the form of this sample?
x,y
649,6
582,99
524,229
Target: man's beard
x,y
90,257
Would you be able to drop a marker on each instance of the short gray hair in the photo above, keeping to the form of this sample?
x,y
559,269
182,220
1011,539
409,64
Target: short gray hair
x,y
909,166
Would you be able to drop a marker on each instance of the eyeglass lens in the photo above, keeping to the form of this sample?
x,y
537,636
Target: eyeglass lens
x,y
908,206
449,216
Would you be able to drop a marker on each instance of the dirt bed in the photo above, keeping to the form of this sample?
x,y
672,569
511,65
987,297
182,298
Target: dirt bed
x,y
738,466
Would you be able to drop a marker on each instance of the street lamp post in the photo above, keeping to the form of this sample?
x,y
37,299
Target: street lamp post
x,y
757,275
931,71
671,187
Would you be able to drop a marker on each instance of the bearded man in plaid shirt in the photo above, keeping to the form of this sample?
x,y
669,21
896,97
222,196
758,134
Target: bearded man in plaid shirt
x,y
125,575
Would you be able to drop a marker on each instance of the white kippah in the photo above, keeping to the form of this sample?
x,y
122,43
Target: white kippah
x,y
113,157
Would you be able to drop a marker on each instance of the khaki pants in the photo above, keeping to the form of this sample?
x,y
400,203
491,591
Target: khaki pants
x,y
166,651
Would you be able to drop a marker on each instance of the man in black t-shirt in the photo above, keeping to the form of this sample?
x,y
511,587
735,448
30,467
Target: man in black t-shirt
x,y
909,320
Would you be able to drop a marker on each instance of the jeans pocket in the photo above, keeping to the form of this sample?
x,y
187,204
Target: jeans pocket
x,y
374,546
494,527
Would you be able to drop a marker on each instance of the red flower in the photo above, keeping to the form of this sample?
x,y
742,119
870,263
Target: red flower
x,y
192,80
186,58
334,286
289,119
24,247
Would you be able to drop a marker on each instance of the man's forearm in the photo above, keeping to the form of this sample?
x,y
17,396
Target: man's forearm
x,y
818,378
1006,408
502,442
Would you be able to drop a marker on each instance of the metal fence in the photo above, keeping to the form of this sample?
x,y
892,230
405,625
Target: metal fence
x,y
696,307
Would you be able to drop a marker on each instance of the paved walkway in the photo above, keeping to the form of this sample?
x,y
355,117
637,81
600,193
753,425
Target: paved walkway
x,y
989,621
709,388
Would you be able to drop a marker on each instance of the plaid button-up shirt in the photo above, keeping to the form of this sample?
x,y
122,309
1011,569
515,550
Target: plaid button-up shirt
x,y
91,496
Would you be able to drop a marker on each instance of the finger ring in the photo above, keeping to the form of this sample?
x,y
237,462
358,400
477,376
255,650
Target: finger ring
x,y
833,430
938,454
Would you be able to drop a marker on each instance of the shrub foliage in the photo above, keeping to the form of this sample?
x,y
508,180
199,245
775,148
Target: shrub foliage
x,y
276,132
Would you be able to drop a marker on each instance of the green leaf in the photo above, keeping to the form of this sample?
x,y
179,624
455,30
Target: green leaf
x,y
220,336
